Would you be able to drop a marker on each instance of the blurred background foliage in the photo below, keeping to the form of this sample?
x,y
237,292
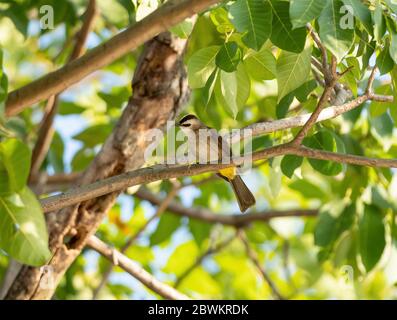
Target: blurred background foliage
x,y
348,251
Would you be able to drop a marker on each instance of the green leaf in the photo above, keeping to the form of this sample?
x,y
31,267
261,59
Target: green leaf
x,y
228,92
219,17
350,80
182,258
3,87
304,90
332,222
304,11
283,35
307,189
362,12
354,64
82,159
368,52
254,19
229,57
392,5
210,86
393,44
377,196
183,29
382,126
116,98
293,69
94,135
261,65
17,14
384,62
324,140
4,180
289,164
377,108
167,225
15,156
260,232
372,240
23,232
56,152
68,107
335,38
201,65
142,254
243,86
283,106
200,230
379,22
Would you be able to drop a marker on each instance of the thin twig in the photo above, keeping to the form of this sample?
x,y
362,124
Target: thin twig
x,y
135,270
330,83
322,48
299,121
314,116
330,78
236,220
254,258
371,79
162,207
46,130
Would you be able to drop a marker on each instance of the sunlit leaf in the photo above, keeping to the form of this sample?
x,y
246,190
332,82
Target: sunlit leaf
x,y
254,19
325,140
15,156
336,30
283,34
261,65
167,225
292,71
201,65
304,11
228,57
371,237
23,232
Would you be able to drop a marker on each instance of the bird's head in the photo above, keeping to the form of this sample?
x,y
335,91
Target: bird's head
x,y
190,122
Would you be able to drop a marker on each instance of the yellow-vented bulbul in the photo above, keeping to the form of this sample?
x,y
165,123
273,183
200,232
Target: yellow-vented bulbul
x,y
214,144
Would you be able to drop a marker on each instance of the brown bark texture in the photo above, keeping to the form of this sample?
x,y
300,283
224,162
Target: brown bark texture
x,y
159,91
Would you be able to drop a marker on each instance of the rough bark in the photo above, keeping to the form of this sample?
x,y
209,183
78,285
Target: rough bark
x,y
159,91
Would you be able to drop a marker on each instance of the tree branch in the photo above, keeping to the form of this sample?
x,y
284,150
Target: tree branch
x,y
135,270
46,131
236,220
324,64
298,121
162,172
314,116
88,24
162,207
161,20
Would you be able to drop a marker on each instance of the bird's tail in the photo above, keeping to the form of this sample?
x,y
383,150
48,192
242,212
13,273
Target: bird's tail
x,y
244,196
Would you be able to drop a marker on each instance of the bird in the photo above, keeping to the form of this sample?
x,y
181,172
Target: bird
x,y
215,145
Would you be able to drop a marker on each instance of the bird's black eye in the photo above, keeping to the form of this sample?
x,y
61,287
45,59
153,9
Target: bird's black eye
x,y
185,125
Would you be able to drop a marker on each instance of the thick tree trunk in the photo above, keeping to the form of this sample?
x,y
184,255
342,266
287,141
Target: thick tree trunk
x,y
159,91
